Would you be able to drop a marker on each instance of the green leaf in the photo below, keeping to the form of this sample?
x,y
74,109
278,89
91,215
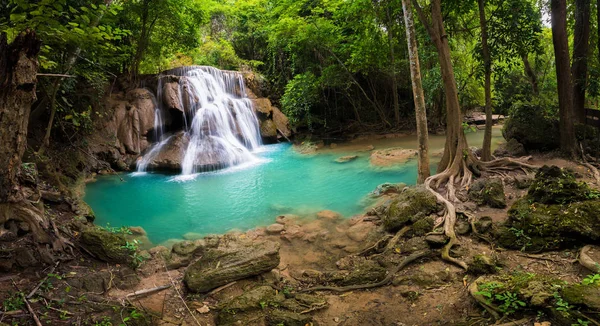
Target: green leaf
x,y
16,18
68,117
73,24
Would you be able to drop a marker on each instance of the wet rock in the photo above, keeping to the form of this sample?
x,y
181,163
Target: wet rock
x,y
328,215
231,261
345,159
488,192
391,156
281,122
268,131
436,240
411,202
263,108
106,246
388,188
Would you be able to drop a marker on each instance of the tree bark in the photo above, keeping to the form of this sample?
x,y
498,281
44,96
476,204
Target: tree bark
x,y
558,10
393,68
419,97
18,66
530,74
487,65
581,45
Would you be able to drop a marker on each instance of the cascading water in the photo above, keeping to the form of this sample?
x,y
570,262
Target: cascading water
x,y
221,128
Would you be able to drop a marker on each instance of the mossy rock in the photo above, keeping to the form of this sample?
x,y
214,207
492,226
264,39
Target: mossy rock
x,y
260,297
583,295
483,264
280,317
529,124
231,261
367,271
422,226
536,227
488,192
411,202
107,246
553,185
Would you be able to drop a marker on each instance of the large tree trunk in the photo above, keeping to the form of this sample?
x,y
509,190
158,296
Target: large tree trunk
x,y
18,68
563,75
393,68
581,44
419,97
487,63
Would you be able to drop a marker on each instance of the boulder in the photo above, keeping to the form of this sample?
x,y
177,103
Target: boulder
x,y
328,215
489,191
553,185
413,201
171,96
512,148
170,156
529,124
231,261
388,188
391,156
107,246
587,295
263,108
360,231
268,131
482,264
275,228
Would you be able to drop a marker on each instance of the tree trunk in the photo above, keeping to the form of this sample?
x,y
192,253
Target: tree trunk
x,y
419,97
563,75
487,63
393,69
530,74
18,68
581,44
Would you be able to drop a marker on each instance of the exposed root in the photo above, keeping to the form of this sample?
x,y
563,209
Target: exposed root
x,y
586,261
385,281
594,170
474,292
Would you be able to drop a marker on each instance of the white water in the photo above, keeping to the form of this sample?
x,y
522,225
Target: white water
x,y
219,121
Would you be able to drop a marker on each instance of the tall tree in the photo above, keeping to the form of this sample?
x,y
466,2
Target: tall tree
x,y
486,154
558,9
18,79
581,44
390,34
419,97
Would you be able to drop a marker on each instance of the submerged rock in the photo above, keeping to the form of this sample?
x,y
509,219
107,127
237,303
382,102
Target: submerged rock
x,y
231,261
347,158
488,192
391,156
328,215
412,204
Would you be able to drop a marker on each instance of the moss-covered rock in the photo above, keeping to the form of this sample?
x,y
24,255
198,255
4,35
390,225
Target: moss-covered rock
x,y
583,295
535,226
231,261
368,271
107,246
553,185
483,264
258,298
422,226
488,192
413,201
529,124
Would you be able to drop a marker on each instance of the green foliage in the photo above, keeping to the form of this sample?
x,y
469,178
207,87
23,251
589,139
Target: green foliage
x,y
15,301
591,279
508,301
300,97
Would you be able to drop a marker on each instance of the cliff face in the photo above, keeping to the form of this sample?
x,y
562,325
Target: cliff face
x,y
129,125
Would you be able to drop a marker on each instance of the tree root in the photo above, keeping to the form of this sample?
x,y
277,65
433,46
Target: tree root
x,y
594,170
385,281
586,261
474,292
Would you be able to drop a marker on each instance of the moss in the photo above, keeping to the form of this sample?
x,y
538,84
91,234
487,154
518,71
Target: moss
x,y
482,264
365,272
422,226
410,203
488,192
535,227
583,295
107,246
529,124
553,185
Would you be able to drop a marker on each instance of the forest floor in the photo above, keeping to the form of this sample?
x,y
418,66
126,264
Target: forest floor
x,y
427,292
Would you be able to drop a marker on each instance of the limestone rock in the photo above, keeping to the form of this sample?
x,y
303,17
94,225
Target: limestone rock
x,y
360,231
328,215
411,202
436,240
281,122
345,159
106,246
275,228
488,192
391,156
511,149
231,261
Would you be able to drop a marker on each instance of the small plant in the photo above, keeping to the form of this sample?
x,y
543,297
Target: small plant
x,y
561,304
15,301
581,323
522,238
467,128
116,230
591,279
510,302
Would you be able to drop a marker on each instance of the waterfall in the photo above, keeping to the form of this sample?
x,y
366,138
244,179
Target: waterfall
x,y
221,128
